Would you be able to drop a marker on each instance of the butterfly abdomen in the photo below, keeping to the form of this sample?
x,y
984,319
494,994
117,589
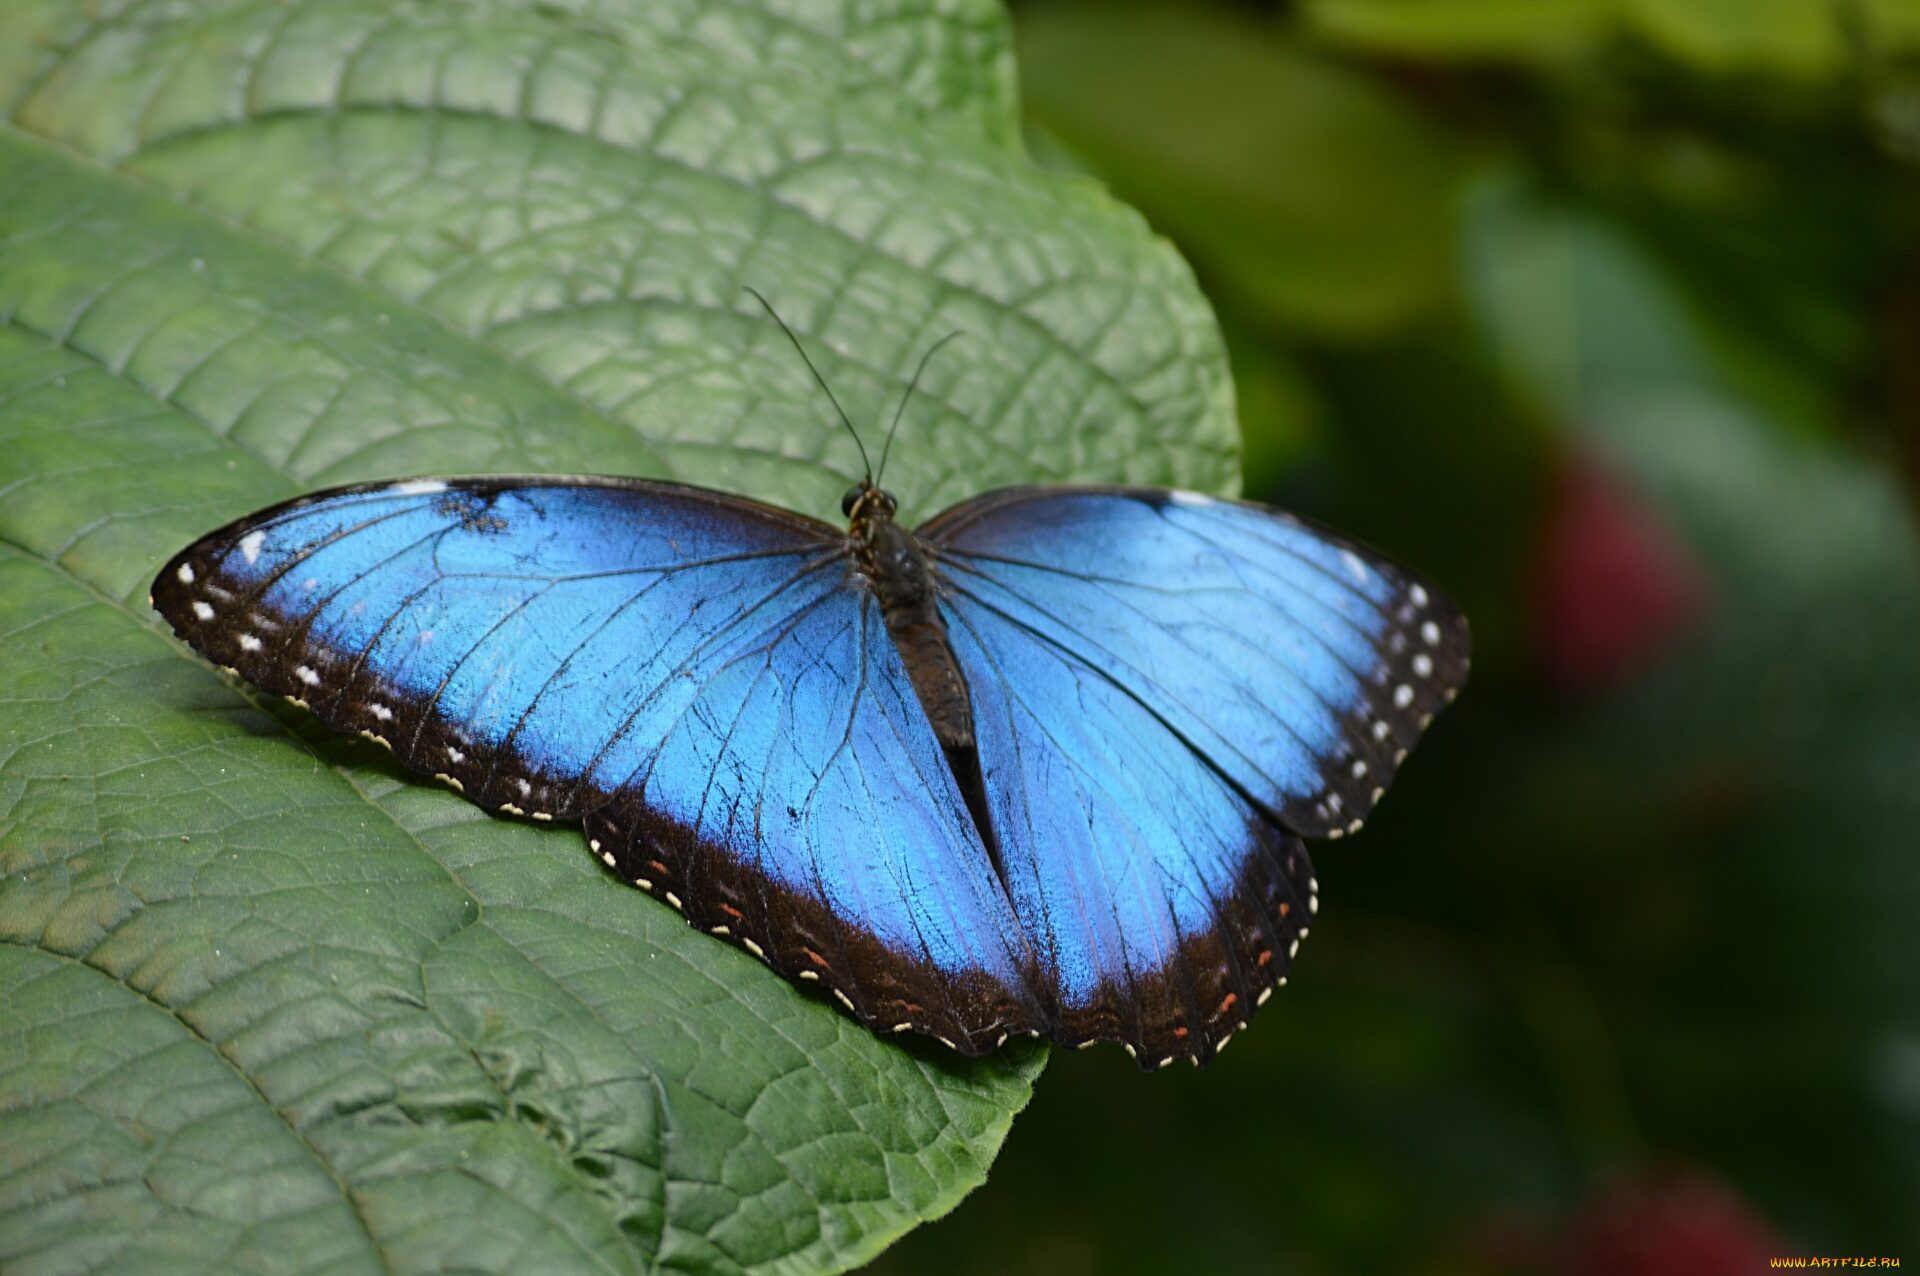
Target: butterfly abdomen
x,y
907,591
904,586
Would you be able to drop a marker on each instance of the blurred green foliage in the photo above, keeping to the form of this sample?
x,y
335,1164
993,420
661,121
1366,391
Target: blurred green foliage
x,y
1463,250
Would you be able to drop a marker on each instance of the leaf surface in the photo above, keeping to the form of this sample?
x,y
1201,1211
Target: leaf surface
x,y
268,1004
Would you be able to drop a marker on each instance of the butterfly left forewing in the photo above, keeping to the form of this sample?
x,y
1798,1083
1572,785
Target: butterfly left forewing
x,y
508,634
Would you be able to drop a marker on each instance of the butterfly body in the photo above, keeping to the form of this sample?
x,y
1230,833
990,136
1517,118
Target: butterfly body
x,y
1043,765
907,589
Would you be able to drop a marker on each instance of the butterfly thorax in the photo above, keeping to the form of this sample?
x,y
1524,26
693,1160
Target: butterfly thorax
x,y
904,585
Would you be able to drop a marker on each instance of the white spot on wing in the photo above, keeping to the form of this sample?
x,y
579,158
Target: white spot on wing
x,y
250,545
1423,665
419,487
455,754
201,610
1179,497
1402,696
1430,634
754,948
1418,595
184,575
1355,565
306,675
249,643
381,712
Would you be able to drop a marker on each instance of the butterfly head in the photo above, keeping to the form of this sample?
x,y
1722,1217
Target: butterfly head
x,y
864,501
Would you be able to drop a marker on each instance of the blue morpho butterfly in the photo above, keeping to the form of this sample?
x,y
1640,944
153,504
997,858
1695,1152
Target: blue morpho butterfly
x,y
1041,766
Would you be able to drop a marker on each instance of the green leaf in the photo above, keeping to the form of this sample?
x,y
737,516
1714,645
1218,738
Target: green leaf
x,y
270,1004
1305,191
1798,39
1891,26
1475,29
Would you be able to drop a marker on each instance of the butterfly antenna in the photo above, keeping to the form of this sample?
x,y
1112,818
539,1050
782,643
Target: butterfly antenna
x,y
818,378
924,359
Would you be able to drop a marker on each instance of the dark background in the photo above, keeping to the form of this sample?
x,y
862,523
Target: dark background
x,y
1606,315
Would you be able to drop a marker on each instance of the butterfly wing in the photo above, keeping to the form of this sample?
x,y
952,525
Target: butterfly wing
x,y
1168,691
1301,664
1161,905
703,679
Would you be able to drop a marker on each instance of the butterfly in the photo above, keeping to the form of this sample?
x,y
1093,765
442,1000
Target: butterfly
x,y
1042,765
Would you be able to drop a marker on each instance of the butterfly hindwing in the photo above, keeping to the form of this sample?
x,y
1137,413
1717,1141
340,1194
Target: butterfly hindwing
x,y
776,812
1162,905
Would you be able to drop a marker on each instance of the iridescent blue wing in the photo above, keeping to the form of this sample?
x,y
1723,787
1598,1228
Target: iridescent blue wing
x,y
1162,906
703,679
1301,664
1169,690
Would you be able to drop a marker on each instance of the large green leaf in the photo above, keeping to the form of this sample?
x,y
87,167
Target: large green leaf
x,y
268,1004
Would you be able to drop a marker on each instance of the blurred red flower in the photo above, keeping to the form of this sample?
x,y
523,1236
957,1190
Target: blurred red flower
x,y
1616,588
1666,1223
